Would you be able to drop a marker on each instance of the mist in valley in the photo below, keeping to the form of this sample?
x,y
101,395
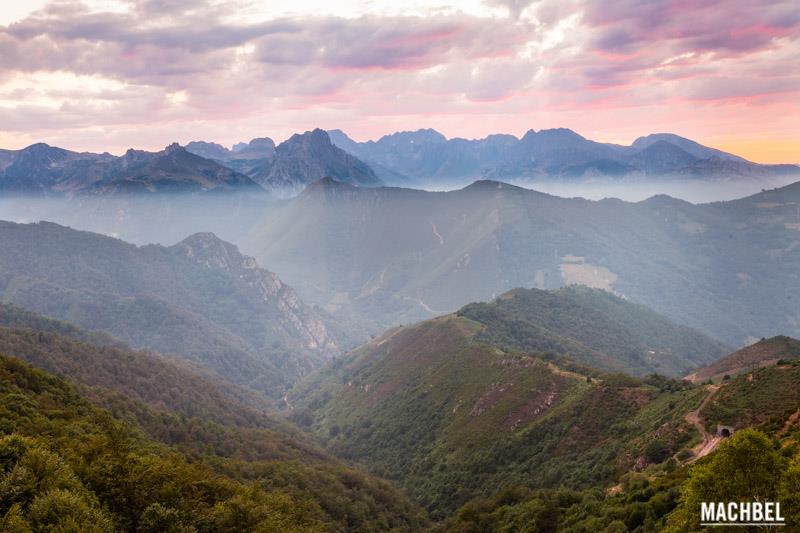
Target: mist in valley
x,y
440,267
167,218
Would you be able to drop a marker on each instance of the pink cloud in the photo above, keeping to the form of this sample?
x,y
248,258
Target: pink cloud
x,y
627,58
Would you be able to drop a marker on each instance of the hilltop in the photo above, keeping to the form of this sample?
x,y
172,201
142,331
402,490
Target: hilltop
x,y
765,352
504,393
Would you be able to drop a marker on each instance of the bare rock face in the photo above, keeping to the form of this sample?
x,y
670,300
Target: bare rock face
x,y
298,320
305,158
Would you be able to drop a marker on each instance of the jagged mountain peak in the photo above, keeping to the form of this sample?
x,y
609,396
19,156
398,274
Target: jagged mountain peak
x,y
552,133
307,157
421,135
173,147
317,136
208,249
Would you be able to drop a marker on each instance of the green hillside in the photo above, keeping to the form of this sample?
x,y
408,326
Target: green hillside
x,y
594,327
522,392
66,465
764,461
764,396
762,353
98,360
436,406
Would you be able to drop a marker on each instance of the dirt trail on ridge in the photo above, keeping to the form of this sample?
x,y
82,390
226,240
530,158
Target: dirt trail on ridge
x,y
709,441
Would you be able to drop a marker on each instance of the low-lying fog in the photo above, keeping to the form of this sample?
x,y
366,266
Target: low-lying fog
x,y
162,219
635,190
166,219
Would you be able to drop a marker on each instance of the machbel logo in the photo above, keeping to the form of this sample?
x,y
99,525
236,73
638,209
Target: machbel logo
x,y
741,514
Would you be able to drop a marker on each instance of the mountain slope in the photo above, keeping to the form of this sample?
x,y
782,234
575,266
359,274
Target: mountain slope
x,y
97,360
308,157
199,299
67,465
694,148
488,396
603,331
489,401
765,352
433,408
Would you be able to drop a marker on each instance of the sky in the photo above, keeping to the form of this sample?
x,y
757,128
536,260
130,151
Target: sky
x,y
106,75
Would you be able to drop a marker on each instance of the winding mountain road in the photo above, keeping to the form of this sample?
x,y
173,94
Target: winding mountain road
x,y
710,441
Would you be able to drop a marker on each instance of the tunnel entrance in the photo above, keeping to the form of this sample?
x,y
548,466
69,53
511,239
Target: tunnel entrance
x,y
724,431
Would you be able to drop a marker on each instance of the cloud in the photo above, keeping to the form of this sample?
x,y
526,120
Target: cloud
x,y
521,61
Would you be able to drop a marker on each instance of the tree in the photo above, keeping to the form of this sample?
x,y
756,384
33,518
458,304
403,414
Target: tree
x,y
745,468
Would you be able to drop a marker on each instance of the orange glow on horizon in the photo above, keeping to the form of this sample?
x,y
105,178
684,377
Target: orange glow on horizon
x,y
761,150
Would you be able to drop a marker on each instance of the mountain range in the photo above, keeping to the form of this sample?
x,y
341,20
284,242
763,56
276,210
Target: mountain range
x,y
286,169
46,170
427,157
422,158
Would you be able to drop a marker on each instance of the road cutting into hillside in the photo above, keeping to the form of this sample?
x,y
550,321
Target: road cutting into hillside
x,y
710,441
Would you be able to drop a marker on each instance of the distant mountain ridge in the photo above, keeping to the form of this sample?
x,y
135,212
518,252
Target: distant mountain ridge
x,y
46,170
287,169
426,155
423,158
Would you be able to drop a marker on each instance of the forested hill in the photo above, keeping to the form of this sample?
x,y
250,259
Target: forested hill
x,y
66,465
516,391
595,327
98,361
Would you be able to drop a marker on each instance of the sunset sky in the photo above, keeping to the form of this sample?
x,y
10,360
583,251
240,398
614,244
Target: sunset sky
x,y
108,75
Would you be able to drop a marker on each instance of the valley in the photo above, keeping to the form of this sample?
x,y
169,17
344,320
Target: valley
x,y
268,337
567,402
364,266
